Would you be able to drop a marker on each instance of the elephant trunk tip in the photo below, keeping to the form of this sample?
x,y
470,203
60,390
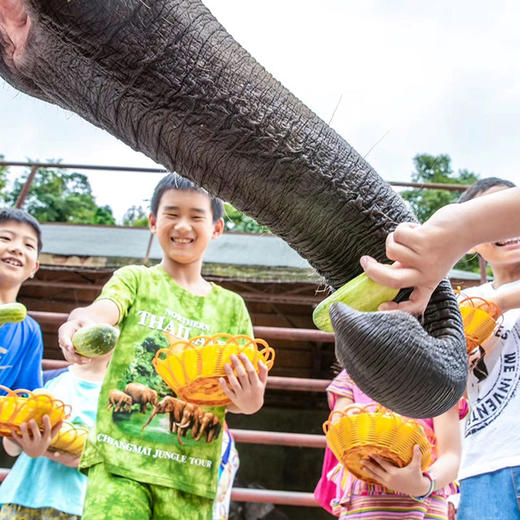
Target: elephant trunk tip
x,y
394,361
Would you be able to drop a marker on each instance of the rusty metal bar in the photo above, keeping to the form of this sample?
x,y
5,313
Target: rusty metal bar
x,y
301,440
84,167
148,249
281,333
418,185
297,384
61,285
287,333
53,364
271,496
25,189
431,185
54,318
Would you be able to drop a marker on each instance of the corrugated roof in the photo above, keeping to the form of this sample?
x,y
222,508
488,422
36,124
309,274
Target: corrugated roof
x,y
233,249
124,242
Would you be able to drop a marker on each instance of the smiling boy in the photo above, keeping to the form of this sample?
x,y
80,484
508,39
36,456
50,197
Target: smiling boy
x,y
149,305
21,343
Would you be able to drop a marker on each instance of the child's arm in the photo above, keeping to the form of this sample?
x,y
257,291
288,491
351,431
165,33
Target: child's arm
x,y
507,298
245,389
410,479
101,311
31,440
424,254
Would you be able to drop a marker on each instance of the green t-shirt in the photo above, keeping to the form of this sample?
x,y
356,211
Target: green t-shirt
x,y
151,304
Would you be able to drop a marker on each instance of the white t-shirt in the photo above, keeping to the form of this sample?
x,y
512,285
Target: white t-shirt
x,y
492,428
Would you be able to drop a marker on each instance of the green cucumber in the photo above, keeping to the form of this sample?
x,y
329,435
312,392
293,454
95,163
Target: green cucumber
x,y
12,313
95,340
361,293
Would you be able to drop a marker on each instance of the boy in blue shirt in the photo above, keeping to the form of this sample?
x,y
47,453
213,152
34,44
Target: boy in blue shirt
x,y
21,345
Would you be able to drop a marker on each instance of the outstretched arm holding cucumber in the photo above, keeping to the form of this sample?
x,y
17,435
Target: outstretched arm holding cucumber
x,y
424,254
101,311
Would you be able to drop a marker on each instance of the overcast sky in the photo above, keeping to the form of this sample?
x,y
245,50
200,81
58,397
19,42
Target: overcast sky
x,y
413,77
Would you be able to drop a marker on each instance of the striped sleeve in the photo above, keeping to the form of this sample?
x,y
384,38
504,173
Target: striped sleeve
x,y
341,386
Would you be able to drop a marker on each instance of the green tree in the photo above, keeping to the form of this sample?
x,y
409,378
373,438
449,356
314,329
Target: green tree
x,y
135,216
425,202
434,169
3,178
58,196
235,220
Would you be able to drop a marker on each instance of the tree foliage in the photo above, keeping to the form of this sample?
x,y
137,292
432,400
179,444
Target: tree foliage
x,y
58,196
435,169
235,220
135,216
425,202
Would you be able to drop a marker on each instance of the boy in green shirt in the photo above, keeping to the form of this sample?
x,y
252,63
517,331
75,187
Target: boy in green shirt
x,y
144,473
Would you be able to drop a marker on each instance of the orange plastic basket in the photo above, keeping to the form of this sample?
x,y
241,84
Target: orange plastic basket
x,y
480,319
357,432
20,406
70,439
192,368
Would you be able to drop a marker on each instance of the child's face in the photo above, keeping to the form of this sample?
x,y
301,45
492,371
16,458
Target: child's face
x,y
18,252
504,253
184,225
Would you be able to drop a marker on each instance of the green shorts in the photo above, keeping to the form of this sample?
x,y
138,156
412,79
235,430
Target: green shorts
x,y
16,512
111,497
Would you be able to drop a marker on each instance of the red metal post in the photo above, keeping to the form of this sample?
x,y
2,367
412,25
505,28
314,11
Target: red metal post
x,y
25,189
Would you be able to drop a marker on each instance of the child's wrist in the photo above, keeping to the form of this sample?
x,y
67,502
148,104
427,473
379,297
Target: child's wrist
x,y
428,489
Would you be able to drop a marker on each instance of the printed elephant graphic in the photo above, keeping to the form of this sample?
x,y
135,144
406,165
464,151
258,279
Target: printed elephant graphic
x,y
120,401
184,416
142,395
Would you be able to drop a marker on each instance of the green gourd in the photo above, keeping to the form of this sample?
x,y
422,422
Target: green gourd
x,y
12,313
361,293
95,340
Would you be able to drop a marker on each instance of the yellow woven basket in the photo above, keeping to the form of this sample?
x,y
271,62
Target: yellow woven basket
x,y
357,432
70,439
192,368
480,318
20,406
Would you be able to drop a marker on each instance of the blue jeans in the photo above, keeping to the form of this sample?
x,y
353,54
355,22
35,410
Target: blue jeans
x,y
491,496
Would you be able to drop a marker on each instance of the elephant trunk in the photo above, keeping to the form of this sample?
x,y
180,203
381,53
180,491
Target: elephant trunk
x,y
167,79
436,366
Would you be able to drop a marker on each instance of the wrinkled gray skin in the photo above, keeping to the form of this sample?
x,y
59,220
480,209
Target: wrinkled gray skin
x,y
166,78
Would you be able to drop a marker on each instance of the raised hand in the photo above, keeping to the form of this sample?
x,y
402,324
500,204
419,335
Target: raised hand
x,y
65,333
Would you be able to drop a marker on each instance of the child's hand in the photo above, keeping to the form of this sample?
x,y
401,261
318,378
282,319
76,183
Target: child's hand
x,y
67,459
33,441
408,480
246,389
422,255
65,333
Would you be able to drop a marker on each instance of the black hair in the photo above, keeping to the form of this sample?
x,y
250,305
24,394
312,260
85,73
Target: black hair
x,y
18,215
483,185
173,181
